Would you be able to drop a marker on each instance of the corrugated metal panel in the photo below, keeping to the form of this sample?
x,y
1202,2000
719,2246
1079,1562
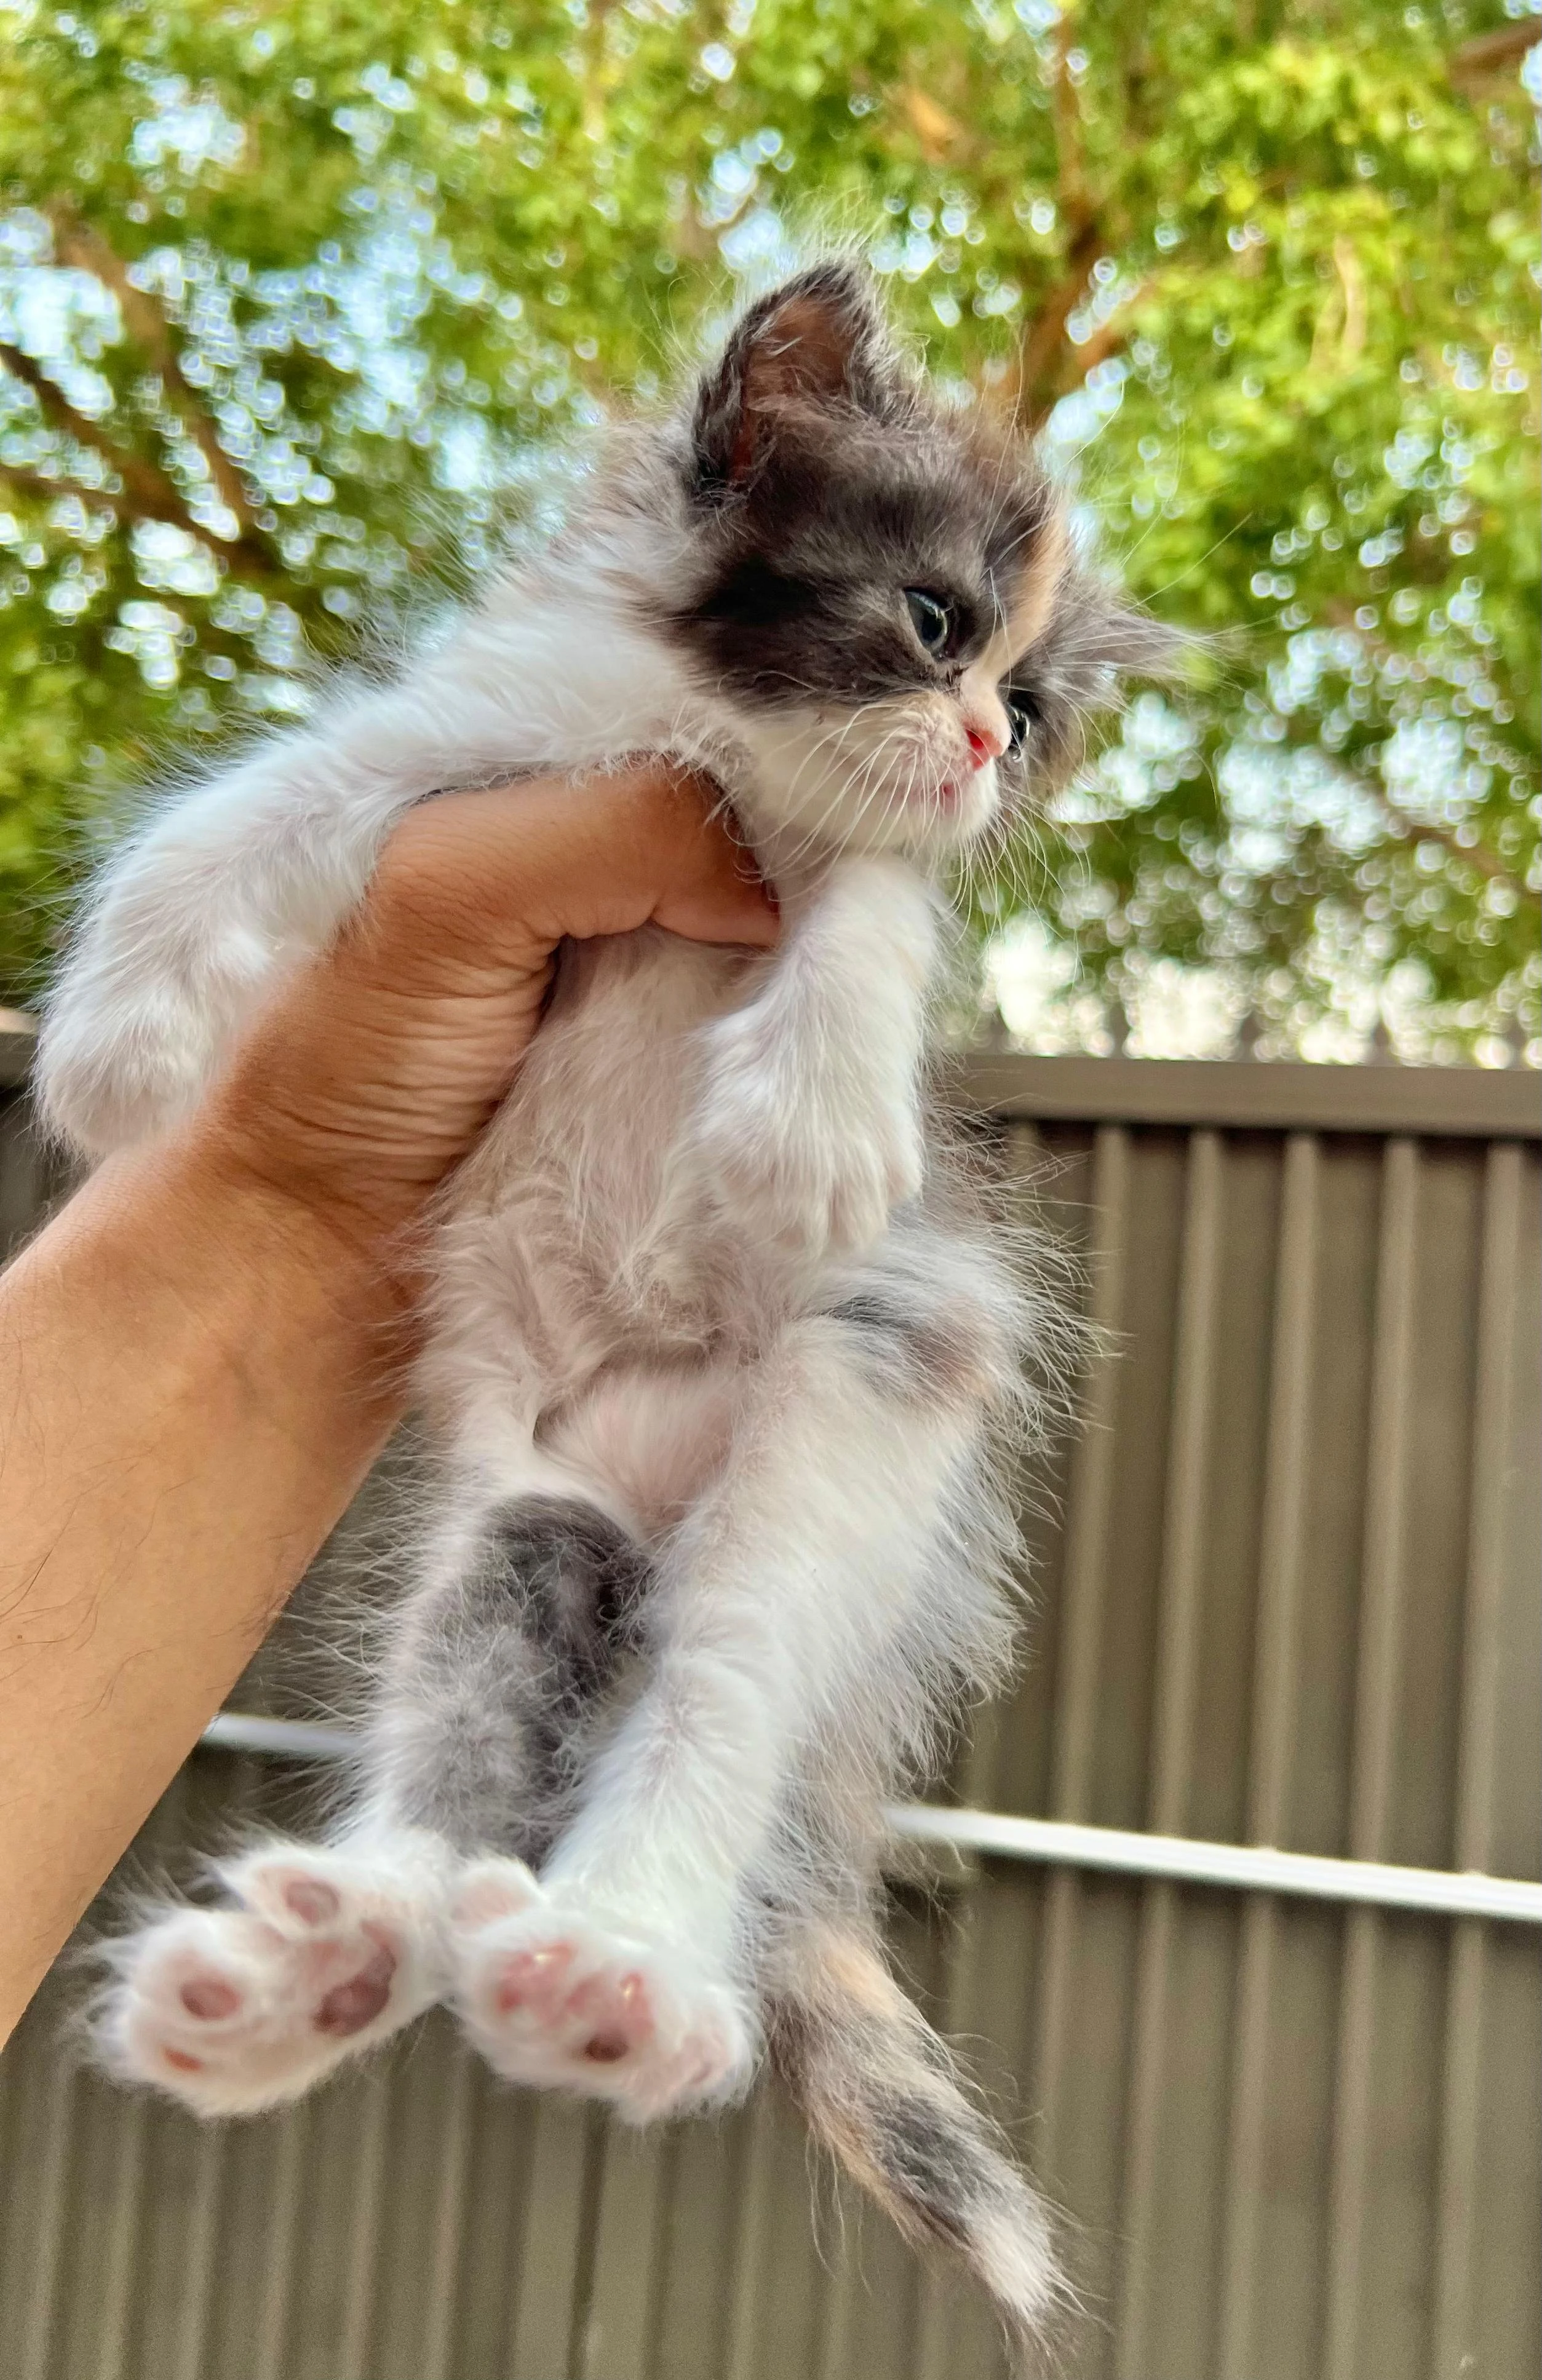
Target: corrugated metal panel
x,y
1287,1595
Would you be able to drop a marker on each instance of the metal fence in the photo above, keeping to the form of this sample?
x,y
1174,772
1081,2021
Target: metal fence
x,y
1287,1596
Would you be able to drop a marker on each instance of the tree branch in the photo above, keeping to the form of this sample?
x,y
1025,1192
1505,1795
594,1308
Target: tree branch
x,y
153,495
938,132
1106,341
1493,54
1074,204
1032,389
1027,393
1476,855
116,501
25,482
147,493
79,243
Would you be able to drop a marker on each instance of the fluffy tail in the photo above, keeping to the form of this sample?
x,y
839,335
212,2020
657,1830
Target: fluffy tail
x,y
879,2089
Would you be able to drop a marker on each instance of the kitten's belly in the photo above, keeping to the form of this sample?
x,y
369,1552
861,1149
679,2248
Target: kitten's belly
x,y
564,1250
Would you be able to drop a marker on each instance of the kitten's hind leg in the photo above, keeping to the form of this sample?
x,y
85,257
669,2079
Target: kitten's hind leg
x,y
481,1737
516,1632
551,1993
323,1951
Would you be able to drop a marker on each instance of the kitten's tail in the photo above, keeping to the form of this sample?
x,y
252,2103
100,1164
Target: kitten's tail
x,y
880,2091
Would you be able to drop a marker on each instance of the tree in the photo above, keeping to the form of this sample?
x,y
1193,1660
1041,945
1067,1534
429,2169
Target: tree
x,y
297,298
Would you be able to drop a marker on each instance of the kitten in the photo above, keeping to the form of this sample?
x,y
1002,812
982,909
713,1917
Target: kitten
x,y
720,1371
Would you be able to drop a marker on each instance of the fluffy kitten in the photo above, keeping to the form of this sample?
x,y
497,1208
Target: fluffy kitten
x,y
719,1375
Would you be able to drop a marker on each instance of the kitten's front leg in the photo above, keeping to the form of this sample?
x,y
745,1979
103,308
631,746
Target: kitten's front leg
x,y
808,1130
241,879
223,888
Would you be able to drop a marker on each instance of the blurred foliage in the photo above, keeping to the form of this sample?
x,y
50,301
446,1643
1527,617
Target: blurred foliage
x,y
295,294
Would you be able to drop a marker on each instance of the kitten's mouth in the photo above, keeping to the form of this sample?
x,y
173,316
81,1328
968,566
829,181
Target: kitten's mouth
x,y
955,794
958,807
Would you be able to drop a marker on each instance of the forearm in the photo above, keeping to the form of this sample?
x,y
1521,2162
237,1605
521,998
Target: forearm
x,y
197,1372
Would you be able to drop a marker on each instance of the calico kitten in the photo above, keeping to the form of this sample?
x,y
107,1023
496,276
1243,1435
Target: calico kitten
x,y
720,1373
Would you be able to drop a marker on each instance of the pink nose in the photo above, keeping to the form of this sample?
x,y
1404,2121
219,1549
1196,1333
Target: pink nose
x,y
985,745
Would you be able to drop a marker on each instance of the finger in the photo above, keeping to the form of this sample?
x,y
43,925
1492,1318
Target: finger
x,y
731,903
710,885
605,854
500,876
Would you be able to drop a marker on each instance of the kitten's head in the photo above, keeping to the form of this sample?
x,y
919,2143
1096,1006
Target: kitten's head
x,y
888,604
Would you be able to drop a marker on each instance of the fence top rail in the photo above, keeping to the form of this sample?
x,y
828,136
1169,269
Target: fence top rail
x,y
1465,1102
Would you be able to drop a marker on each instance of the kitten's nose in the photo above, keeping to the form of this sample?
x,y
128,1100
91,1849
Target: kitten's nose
x,y
985,745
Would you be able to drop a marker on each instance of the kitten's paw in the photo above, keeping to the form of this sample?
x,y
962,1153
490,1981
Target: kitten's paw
x,y
234,2009
109,1074
552,1998
794,1163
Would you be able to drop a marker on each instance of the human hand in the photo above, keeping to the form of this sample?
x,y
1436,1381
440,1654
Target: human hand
x,y
374,1066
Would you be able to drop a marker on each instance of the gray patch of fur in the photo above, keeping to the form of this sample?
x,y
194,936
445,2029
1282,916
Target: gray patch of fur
x,y
498,1668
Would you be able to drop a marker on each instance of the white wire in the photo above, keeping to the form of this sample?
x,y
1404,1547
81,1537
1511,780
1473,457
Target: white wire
x,y
1054,1842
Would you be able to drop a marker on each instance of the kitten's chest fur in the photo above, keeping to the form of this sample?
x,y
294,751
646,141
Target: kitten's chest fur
x,y
573,1228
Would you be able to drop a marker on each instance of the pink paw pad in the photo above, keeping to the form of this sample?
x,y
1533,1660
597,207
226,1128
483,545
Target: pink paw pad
x,y
620,2014
209,1998
313,1902
602,2018
353,2004
533,1980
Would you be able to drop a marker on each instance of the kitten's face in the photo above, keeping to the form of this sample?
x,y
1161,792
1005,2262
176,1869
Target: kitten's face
x,y
886,592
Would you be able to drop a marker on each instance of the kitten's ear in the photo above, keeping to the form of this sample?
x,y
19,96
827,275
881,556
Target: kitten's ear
x,y
818,340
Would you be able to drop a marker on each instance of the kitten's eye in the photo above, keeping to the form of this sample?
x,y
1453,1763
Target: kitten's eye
x,y
1020,710
931,617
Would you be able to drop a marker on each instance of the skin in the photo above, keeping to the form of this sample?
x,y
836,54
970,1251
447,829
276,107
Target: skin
x,y
203,1353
